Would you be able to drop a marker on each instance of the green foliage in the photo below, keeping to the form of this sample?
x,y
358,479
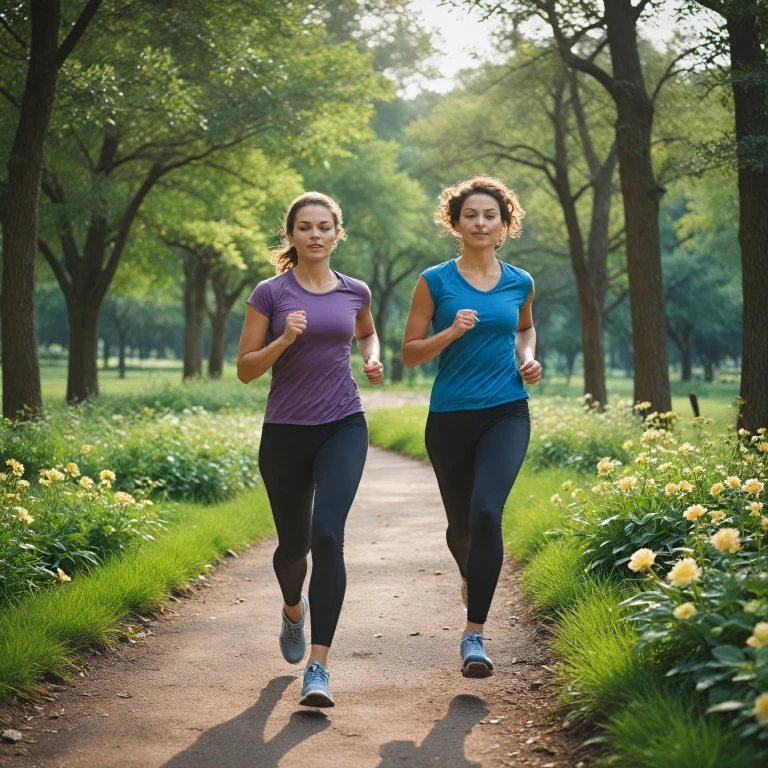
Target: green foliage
x,y
45,633
399,429
73,524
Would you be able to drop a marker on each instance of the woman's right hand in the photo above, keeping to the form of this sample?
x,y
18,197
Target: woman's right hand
x,y
295,325
464,321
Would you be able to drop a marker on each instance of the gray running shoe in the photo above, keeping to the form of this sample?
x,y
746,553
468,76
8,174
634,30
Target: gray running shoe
x,y
293,642
316,691
476,661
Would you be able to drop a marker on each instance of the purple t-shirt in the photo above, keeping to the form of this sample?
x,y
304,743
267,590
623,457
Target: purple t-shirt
x,y
312,380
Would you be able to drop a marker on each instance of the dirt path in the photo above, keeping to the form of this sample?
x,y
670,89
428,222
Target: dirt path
x,y
209,689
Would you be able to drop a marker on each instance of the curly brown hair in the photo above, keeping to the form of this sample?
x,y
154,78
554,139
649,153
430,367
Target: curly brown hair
x,y
452,199
284,256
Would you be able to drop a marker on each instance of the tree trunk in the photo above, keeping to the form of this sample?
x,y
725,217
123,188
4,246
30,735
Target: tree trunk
x,y
709,370
195,280
218,333
685,356
122,339
106,353
397,367
21,368
641,194
750,92
82,373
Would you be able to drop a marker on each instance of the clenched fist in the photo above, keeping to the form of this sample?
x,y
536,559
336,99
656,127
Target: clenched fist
x,y
464,321
531,371
295,325
374,370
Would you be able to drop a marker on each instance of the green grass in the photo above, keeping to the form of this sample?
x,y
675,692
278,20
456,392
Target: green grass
x,y
399,429
45,633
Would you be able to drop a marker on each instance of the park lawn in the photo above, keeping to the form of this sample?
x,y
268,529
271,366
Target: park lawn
x,y
645,720
46,633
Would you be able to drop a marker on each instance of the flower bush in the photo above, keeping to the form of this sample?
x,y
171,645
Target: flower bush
x,y
196,455
577,433
690,519
62,523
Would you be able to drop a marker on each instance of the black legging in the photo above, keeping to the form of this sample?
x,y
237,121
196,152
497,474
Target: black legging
x,y
298,462
476,456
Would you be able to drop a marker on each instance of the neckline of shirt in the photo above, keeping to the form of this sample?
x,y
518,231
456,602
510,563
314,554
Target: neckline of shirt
x,y
474,288
313,293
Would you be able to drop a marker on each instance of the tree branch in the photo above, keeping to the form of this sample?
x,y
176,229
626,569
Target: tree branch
x,y
73,38
9,97
10,31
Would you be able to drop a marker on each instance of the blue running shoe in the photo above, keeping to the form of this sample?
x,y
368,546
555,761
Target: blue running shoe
x,y
316,691
476,661
293,642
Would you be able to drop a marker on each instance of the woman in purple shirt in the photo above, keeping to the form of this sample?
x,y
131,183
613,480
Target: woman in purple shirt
x,y
314,442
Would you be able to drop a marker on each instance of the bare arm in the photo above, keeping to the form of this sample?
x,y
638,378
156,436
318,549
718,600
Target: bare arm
x,y
417,348
525,343
368,346
253,358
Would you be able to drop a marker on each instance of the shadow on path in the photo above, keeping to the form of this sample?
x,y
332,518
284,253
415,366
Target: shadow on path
x,y
444,744
239,743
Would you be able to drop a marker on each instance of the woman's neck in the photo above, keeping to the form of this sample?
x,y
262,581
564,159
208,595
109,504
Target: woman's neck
x,y
315,276
480,261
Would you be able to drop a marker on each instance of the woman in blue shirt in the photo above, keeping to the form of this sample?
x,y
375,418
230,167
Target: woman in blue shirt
x,y
478,427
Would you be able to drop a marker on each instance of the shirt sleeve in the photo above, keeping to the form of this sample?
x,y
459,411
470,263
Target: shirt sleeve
x,y
262,299
432,278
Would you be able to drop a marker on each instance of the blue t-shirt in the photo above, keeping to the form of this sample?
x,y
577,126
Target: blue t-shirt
x,y
479,369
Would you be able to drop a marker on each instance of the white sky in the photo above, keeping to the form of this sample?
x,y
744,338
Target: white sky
x,y
465,36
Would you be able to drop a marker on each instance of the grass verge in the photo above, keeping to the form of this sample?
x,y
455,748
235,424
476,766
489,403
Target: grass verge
x,y
645,720
44,634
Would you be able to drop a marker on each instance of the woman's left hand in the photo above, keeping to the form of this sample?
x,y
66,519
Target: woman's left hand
x,y
531,371
374,370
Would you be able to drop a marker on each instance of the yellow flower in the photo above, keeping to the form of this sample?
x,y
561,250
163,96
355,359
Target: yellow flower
x,y
86,448
597,488
755,508
44,482
759,636
52,475
555,498
726,540
73,469
642,560
642,406
107,474
63,576
3,477
743,432
764,523
685,611
733,482
11,496
684,572
641,459
23,483
627,483
124,498
761,431
686,448
24,516
567,485
761,708
577,493
697,470
694,511
16,467
717,516
605,466
716,489
685,486
670,489
666,466
762,447
86,482
753,485
627,445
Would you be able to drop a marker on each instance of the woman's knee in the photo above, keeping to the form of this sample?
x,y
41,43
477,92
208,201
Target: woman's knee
x,y
485,518
326,542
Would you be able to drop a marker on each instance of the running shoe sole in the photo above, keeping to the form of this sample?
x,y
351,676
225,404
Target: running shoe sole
x,y
316,699
476,669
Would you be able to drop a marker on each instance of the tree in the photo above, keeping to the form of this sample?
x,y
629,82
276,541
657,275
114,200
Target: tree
x,y
19,199
746,38
246,81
